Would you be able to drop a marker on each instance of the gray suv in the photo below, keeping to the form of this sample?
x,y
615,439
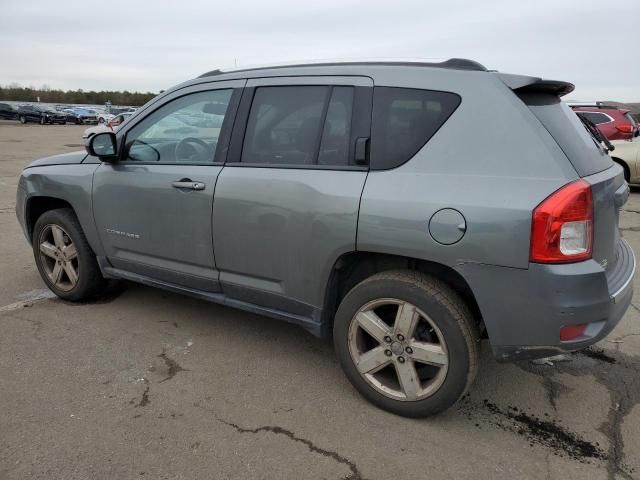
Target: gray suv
x,y
406,209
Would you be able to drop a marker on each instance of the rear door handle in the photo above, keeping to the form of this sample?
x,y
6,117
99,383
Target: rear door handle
x,y
187,184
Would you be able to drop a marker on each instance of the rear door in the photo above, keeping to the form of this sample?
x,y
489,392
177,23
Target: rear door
x,y
153,207
286,204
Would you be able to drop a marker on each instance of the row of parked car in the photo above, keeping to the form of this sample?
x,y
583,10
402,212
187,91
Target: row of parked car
x,y
618,131
61,115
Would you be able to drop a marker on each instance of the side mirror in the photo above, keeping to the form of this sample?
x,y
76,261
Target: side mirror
x,y
103,145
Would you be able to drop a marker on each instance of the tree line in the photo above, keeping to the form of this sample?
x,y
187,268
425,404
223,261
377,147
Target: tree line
x,y
17,93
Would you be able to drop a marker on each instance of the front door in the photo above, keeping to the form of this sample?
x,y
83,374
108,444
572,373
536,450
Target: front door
x,y
286,204
153,207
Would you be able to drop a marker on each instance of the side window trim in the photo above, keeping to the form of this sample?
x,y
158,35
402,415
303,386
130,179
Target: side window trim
x,y
360,124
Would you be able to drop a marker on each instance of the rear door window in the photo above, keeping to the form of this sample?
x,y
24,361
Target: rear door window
x,y
404,120
299,125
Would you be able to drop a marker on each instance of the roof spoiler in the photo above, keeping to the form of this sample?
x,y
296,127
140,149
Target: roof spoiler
x,y
523,84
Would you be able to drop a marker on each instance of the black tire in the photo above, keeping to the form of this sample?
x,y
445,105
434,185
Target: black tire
x,y
90,280
23,119
446,310
42,120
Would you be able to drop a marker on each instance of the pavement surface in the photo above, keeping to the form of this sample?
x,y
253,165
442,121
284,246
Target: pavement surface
x,y
149,384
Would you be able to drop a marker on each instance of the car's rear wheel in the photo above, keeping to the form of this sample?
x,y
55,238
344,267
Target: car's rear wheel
x,y
64,258
407,342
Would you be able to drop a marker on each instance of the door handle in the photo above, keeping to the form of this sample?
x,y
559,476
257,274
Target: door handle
x,y
187,184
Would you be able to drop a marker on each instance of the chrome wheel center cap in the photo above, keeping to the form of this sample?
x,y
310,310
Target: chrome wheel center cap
x,y
396,348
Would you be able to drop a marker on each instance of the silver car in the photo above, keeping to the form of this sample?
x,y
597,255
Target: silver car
x,y
409,210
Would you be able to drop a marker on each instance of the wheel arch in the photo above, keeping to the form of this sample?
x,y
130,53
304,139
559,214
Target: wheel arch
x,y
37,205
353,267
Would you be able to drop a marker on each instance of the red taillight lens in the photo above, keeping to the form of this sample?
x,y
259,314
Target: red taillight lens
x,y
562,226
625,128
571,332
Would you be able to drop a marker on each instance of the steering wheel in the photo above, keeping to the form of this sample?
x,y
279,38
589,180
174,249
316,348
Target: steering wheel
x,y
191,149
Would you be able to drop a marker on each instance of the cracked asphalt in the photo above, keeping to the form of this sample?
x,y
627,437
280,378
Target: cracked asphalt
x,y
150,384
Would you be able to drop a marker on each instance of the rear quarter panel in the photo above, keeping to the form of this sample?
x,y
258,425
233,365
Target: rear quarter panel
x,y
492,161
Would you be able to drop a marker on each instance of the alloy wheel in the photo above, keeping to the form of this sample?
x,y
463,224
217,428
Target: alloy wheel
x,y
59,257
398,349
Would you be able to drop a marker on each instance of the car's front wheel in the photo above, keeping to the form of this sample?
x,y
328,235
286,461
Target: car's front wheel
x,y
407,342
23,119
64,258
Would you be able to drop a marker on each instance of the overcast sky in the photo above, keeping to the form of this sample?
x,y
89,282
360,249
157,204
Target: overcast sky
x,y
152,45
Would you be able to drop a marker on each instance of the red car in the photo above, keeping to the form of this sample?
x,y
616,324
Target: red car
x,y
614,123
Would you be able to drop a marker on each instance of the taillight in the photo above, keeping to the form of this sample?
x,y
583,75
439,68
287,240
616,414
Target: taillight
x,y
625,128
562,226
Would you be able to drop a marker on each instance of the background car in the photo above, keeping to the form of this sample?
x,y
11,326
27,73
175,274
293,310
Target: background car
x,y
104,117
40,114
80,116
615,123
112,125
627,154
8,112
118,120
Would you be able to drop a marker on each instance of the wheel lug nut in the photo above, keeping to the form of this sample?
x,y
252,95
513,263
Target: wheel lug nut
x,y
401,359
387,339
387,353
409,350
400,337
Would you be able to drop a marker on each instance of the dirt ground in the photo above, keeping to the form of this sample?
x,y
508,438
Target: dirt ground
x,y
150,384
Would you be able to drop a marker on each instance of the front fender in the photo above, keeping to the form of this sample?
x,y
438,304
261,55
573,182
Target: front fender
x,y
70,183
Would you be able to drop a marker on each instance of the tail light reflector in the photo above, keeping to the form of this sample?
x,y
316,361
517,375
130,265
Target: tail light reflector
x,y
562,226
571,332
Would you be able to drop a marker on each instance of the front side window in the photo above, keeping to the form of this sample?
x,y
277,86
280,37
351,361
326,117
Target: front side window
x,y
185,130
404,119
299,125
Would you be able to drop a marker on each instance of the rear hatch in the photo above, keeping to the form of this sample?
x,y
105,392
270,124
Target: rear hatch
x,y
588,157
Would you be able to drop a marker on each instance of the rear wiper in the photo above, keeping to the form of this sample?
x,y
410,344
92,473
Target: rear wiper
x,y
596,133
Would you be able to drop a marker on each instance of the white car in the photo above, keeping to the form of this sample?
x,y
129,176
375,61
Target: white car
x,y
104,117
112,125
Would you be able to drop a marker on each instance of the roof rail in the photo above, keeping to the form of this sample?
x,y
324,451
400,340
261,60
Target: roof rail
x,y
452,63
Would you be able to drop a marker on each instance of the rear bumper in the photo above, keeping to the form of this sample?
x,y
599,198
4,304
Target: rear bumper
x,y
524,310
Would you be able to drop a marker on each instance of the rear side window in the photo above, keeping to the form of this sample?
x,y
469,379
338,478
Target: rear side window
x,y
595,117
404,120
299,125
568,131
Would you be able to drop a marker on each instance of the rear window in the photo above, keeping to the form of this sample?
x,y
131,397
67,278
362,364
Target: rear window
x,y
629,117
404,119
565,127
595,117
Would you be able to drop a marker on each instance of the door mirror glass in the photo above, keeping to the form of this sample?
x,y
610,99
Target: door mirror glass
x,y
103,145
140,151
